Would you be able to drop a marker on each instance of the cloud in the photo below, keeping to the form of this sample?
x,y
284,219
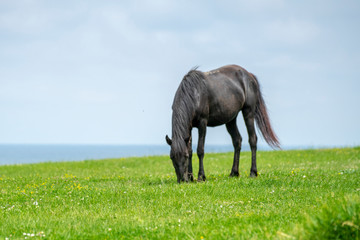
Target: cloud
x,y
291,32
125,60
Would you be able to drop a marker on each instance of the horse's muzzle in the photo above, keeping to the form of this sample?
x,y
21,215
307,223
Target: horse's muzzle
x,y
182,176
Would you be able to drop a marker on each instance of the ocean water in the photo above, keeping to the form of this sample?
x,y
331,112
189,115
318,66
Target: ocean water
x,y
31,153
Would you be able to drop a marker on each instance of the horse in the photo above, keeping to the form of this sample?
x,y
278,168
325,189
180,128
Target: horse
x,y
212,99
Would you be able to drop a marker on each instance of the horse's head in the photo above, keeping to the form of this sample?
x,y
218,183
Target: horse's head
x,y
179,155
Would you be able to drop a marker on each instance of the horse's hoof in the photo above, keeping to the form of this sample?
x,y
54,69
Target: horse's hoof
x,y
191,177
253,174
234,174
201,179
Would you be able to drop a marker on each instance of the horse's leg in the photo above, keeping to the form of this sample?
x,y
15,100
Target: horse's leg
x,y
190,151
249,119
236,139
200,149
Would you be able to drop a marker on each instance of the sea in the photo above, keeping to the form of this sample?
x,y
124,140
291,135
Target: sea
x,y
35,153
11,154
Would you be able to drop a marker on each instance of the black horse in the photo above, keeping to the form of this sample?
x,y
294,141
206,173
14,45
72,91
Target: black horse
x,y
212,99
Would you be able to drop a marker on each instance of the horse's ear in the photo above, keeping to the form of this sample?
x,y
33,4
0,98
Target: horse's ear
x,y
168,140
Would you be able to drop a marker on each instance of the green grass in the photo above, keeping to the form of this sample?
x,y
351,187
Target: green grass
x,y
138,198
338,220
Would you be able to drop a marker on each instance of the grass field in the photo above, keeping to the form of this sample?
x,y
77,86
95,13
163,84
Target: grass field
x,y
138,198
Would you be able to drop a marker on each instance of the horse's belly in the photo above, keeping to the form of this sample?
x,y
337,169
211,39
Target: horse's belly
x,y
224,110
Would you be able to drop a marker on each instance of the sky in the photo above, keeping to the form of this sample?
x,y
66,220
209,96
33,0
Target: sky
x,y
105,72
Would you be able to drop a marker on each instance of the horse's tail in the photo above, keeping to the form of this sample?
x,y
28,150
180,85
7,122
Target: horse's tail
x,y
263,121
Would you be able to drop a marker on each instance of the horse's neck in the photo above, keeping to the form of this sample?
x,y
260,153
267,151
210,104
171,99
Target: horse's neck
x,y
181,125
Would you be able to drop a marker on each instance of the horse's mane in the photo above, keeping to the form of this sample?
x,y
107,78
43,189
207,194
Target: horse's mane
x,y
186,98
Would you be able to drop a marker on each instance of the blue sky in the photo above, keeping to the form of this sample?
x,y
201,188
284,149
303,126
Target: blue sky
x,y
105,72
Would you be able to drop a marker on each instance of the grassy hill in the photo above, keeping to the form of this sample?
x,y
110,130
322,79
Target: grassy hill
x,y
138,198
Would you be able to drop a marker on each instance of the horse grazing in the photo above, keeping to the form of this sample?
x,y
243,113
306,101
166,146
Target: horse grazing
x,y
211,99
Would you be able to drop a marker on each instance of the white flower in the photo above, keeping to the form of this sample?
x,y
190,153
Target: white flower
x,y
35,203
